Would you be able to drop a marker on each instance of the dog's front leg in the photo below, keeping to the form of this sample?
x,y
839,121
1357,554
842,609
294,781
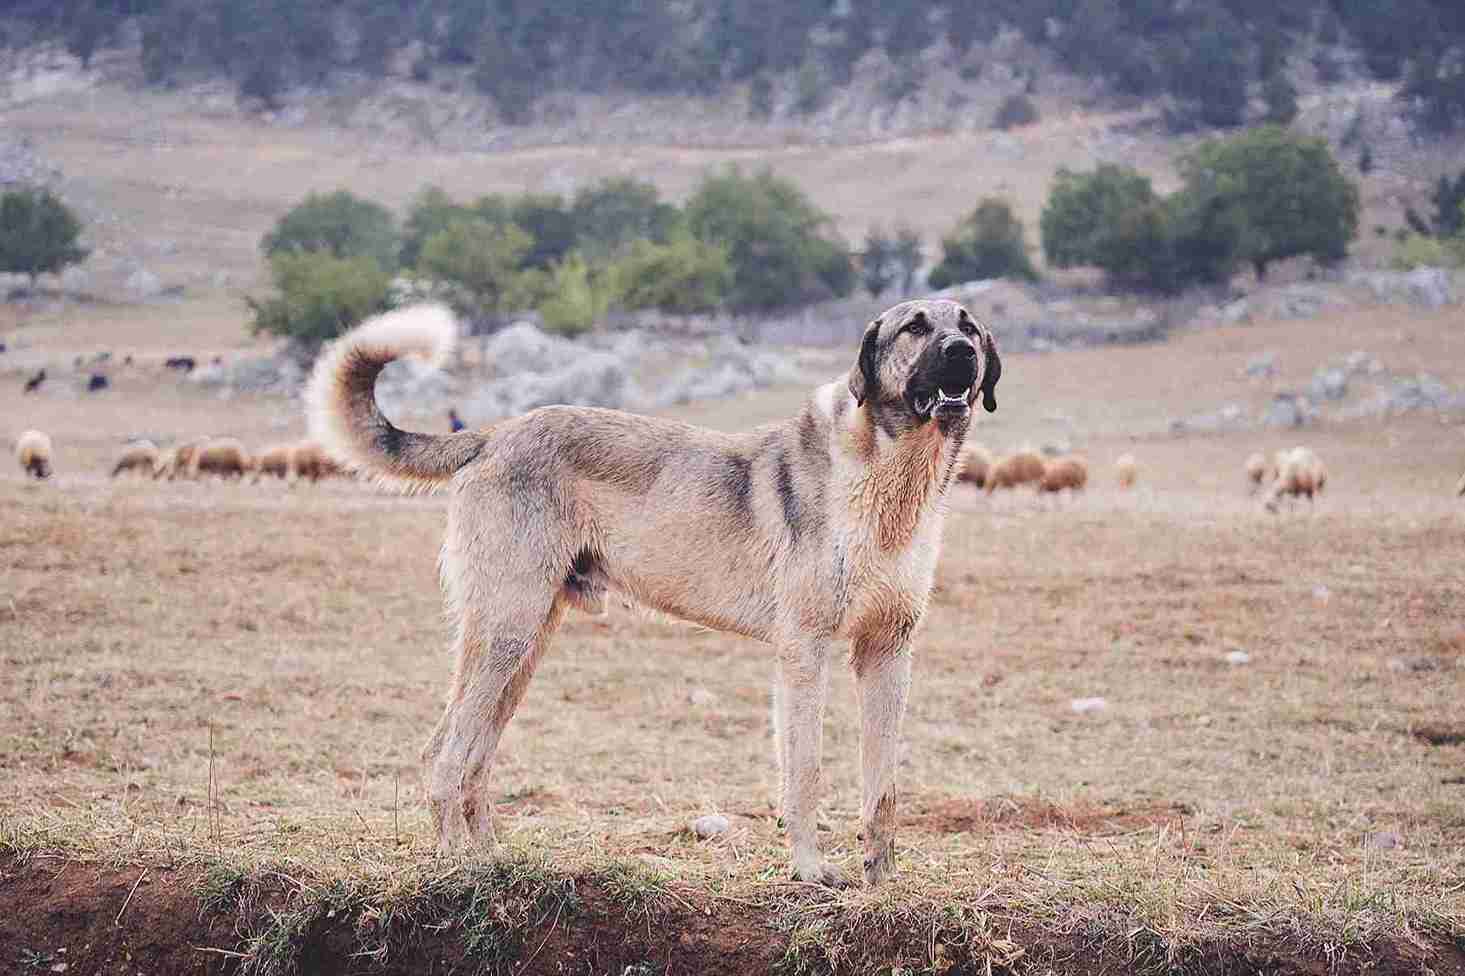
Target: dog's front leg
x,y
883,675
803,675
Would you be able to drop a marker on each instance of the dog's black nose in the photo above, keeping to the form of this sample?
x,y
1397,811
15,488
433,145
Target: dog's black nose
x,y
956,349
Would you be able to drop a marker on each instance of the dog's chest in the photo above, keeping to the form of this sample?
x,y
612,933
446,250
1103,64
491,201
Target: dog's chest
x,y
878,585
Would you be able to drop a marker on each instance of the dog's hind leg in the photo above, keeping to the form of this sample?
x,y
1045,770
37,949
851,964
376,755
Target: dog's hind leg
x,y
803,675
883,678
506,625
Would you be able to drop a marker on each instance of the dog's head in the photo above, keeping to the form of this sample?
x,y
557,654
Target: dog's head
x,y
927,360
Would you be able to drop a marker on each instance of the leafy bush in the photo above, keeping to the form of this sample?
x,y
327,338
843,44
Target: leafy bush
x,y
877,265
38,233
1416,251
1083,222
1289,190
320,295
607,217
777,241
573,301
1015,111
683,276
340,224
988,243
547,221
482,261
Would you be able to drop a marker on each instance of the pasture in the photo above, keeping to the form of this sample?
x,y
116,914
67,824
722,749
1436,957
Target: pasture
x,y
214,695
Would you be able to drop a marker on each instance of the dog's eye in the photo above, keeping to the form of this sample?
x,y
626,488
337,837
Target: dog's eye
x,y
918,326
968,327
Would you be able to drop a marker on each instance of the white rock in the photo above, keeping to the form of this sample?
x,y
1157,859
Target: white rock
x,y
1085,705
710,825
1238,657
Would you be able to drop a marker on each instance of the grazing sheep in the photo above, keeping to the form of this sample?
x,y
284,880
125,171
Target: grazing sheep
x,y
1022,468
33,451
179,460
1258,470
34,383
301,459
140,456
1070,472
1299,473
1126,471
976,463
223,456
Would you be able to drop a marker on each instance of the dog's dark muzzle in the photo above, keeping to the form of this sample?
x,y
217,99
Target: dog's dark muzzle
x,y
947,380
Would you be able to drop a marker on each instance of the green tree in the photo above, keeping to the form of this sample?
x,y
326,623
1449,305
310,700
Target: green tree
x,y
1084,220
608,216
319,296
877,265
38,233
1209,71
482,261
1281,98
907,255
988,243
684,276
575,299
340,224
547,221
779,244
1014,112
1288,189
431,210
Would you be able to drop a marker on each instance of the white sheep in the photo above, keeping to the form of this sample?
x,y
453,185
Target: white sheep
x,y
140,456
1300,473
1126,471
33,451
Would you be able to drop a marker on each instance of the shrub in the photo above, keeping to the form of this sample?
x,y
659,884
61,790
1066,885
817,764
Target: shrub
x,y
1081,222
38,233
683,276
481,260
877,264
319,295
777,242
573,302
988,243
1015,111
1416,251
615,212
340,224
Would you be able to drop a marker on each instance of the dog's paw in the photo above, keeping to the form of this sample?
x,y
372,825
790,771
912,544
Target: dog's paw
x,y
821,873
879,867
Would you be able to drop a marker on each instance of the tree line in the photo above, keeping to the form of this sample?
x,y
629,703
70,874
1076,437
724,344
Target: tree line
x,y
1204,56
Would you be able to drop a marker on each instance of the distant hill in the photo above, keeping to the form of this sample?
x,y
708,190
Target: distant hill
x,y
1204,58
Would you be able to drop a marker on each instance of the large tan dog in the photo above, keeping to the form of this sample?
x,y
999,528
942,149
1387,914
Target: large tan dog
x,y
821,528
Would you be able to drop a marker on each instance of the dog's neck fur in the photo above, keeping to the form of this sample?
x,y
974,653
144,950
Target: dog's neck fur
x,y
903,475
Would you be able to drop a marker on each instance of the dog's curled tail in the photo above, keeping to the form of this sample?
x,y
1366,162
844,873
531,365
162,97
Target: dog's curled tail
x,y
340,401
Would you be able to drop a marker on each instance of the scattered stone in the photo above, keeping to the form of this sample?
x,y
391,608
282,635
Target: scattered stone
x,y
1360,363
1238,657
1384,840
1263,366
1236,313
143,284
701,697
1287,410
1085,705
710,825
1329,383
1422,287
1415,664
1322,594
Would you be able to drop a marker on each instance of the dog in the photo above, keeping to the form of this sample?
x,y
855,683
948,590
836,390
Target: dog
x,y
824,527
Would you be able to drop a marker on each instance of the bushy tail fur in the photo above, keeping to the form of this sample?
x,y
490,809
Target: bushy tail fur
x,y
342,410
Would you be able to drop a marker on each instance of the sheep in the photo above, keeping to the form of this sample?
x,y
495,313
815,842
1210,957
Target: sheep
x,y
223,456
179,460
1460,487
1258,470
140,456
1024,467
33,451
1126,470
1070,472
1299,473
975,463
301,459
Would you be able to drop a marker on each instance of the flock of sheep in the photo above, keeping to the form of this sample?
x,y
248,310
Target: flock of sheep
x,y
223,457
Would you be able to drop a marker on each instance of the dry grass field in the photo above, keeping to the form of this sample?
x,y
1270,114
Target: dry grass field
x,y
213,697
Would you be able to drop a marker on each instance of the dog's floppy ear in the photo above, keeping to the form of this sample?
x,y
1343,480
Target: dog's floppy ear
x,y
991,372
864,379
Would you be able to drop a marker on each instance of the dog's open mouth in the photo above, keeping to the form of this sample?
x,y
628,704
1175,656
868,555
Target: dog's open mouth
x,y
944,403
